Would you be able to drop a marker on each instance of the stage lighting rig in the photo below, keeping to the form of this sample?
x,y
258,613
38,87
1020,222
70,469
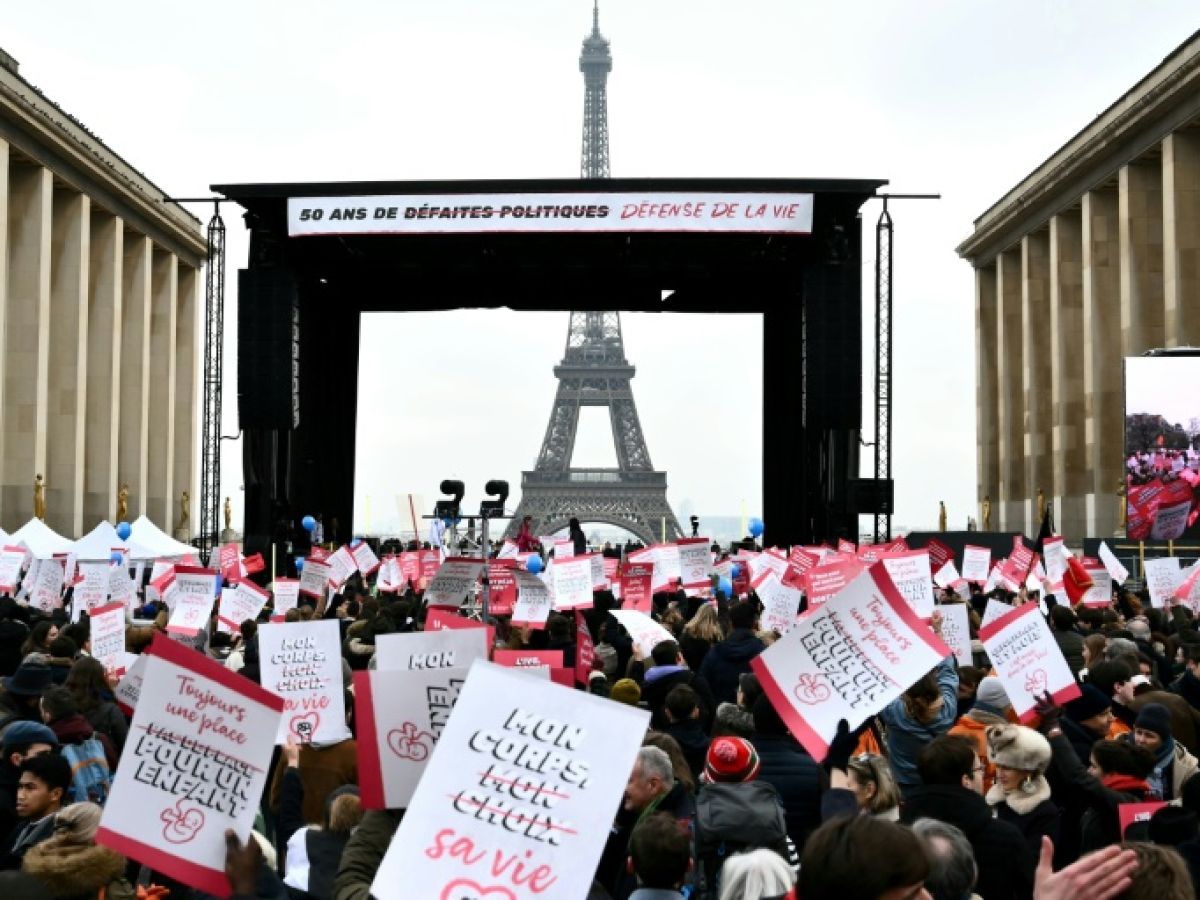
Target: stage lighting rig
x,y
695,526
448,509
494,508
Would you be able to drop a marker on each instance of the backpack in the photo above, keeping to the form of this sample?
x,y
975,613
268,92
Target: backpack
x,y
91,779
730,818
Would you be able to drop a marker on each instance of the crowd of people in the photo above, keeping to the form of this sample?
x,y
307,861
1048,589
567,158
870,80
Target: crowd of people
x,y
943,794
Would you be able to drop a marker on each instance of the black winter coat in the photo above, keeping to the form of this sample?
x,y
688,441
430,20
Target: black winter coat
x,y
655,690
797,779
729,659
1041,820
1005,866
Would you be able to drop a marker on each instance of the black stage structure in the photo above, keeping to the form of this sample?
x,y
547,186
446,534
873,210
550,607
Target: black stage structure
x,y
300,300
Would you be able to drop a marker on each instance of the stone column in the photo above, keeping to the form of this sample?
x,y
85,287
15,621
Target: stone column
x,y
1103,428
11,518
1072,479
187,325
1141,235
27,338
160,465
132,441
70,256
987,394
1181,238
1010,379
1036,381
104,367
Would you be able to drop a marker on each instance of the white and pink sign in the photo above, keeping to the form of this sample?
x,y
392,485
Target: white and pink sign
x,y
909,571
195,765
1163,576
1118,572
48,589
847,659
314,578
12,560
239,603
1027,660
194,590
446,648
645,632
533,600
454,581
977,563
826,580
106,628
286,595
365,558
302,663
781,604
956,631
484,824
572,580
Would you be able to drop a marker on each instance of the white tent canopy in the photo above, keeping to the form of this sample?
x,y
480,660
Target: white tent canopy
x,y
149,536
99,543
43,542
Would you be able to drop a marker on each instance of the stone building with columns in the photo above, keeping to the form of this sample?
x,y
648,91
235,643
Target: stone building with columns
x,y
1093,257
99,324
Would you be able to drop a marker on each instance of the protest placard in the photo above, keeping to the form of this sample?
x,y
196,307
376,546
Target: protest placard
x,y
524,773
909,571
825,580
121,588
285,595
533,600
400,715
845,546
939,554
526,658
48,589
1100,593
195,590
799,562
635,587
230,562
1134,813
847,660
599,574
1054,558
1027,660
780,603
365,559
946,575
765,564
572,580
129,686
440,619
585,649
1118,572
244,601
428,563
956,631
645,632
508,550
502,587
977,562
994,610
302,663
444,648
342,565
92,591
106,629
1163,576
564,548
313,578
195,765
453,582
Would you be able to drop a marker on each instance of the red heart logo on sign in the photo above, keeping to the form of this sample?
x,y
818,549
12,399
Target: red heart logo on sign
x,y
305,726
409,742
182,825
1035,682
465,889
811,689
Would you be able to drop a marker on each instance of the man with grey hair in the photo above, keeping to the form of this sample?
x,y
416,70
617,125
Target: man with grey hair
x,y
652,787
952,869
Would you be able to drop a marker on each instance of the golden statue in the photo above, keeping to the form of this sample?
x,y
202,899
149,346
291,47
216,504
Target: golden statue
x,y
987,512
39,498
1041,504
1122,507
941,515
123,504
228,515
185,513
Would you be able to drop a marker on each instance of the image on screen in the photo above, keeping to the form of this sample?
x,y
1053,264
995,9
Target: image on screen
x,y
1162,447
467,394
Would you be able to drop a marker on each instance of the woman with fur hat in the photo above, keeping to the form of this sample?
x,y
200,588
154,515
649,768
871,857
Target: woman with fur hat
x,y
1021,794
70,864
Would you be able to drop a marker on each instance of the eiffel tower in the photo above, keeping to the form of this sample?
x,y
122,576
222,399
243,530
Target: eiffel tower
x,y
594,372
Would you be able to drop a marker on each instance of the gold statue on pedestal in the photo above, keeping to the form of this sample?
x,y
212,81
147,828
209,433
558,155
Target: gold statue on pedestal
x,y
39,498
228,515
1041,505
185,513
987,512
123,504
941,515
1122,508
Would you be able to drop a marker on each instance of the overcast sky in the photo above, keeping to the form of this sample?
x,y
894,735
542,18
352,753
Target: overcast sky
x,y
963,99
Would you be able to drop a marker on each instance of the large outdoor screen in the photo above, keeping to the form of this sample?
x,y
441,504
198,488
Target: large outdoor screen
x,y
1162,447
467,394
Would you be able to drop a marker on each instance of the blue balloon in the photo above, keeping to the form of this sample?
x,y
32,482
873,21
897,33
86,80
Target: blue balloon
x,y
117,556
726,587
534,564
309,523
123,531
299,563
736,570
355,542
756,527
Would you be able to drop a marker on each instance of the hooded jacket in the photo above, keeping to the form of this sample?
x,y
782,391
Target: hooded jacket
x,y
78,871
76,729
1005,865
660,680
906,736
727,661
